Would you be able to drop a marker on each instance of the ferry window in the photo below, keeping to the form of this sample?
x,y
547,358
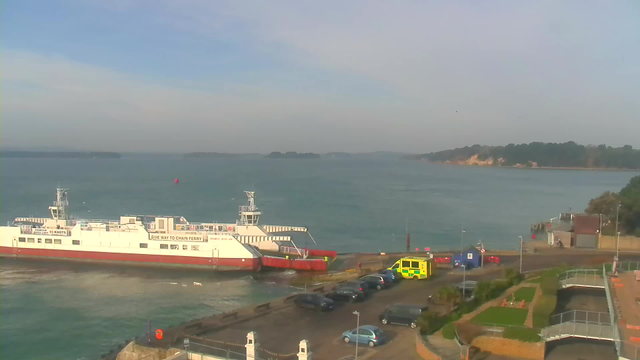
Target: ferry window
x,y
132,221
39,241
175,247
22,239
415,264
30,240
195,247
406,263
143,245
164,246
185,247
57,241
48,241
75,242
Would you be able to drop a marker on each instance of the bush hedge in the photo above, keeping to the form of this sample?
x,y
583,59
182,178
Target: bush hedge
x,y
522,334
449,331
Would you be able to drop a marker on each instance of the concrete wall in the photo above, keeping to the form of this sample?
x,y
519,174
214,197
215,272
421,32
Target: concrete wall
x,y
563,236
137,352
510,347
626,243
424,350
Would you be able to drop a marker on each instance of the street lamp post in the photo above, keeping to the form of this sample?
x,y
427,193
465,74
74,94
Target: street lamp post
x,y
617,232
461,242
357,314
520,254
464,281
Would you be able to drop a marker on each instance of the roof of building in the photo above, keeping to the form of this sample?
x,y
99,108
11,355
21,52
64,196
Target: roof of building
x,y
586,224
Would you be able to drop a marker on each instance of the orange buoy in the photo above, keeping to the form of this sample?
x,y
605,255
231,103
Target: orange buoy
x,y
176,181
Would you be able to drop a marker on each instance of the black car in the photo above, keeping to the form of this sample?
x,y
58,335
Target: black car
x,y
390,274
376,281
403,314
346,294
354,285
314,301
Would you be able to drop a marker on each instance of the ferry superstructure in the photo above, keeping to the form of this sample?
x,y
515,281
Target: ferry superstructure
x,y
156,240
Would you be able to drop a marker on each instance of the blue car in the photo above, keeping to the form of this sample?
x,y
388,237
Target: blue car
x,y
390,274
366,334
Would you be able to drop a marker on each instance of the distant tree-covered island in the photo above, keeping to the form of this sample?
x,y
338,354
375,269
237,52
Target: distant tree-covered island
x,y
217,155
539,155
291,155
59,154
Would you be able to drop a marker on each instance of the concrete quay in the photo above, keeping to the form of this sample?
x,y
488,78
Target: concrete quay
x,y
280,325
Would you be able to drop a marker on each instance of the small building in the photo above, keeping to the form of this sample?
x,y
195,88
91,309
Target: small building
x,y
587,230
471,258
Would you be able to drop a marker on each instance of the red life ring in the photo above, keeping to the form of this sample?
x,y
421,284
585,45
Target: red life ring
x,y
159,334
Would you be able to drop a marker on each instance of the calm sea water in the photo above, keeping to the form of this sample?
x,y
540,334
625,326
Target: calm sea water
x,y
71,311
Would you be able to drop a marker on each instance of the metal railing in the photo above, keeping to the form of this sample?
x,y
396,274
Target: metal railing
x,y
199,350
588,277
612,312
584,324
629,265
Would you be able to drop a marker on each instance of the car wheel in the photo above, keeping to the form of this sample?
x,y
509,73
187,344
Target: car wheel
x,y
415,278
385,321
379,287
346,339
414,325
371,343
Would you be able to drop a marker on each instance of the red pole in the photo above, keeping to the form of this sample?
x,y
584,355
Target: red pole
x,y
408,236
408,242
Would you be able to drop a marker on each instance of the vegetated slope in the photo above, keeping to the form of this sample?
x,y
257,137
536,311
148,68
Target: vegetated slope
x,y
538,154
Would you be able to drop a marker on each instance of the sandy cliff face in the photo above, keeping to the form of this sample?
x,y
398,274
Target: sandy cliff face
x,y
475,161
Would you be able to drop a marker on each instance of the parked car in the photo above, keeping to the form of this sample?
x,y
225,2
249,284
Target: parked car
x,y
366,334
346,294
403,314
391,274
314,301
354,284
376,281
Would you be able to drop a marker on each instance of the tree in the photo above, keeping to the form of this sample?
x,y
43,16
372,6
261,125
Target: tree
x,y
604,204
629,200
450,295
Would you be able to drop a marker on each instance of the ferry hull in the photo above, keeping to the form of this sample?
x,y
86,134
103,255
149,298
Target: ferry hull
x,y
218,264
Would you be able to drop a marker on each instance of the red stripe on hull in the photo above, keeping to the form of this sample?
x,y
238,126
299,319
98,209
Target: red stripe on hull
x,y
90,256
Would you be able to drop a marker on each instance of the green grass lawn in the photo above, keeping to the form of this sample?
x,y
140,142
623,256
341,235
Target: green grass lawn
x,y
526,294
501,316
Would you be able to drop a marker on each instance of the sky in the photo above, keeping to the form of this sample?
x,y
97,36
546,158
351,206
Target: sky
x,y
358,76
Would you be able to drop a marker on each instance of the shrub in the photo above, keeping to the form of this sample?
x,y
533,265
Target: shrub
x,y
483,291
542,311
512,277
467,307
522,334
449,331
430,322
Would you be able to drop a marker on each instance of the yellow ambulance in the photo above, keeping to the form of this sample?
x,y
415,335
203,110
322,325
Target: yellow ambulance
x,y
414,267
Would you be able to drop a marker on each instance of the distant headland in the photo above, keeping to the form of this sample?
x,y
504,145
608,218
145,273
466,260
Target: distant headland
x,y
567,155
291,155
59,154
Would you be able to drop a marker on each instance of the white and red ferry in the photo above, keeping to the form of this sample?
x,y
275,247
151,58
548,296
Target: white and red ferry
x,y
160,240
